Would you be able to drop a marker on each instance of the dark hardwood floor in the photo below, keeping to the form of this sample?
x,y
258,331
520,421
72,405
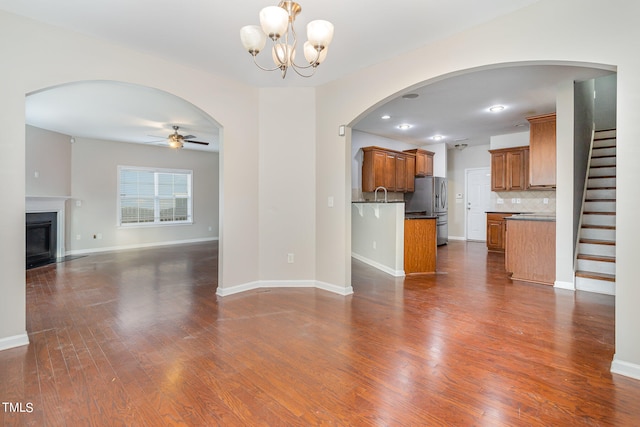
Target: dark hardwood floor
x,y
139,338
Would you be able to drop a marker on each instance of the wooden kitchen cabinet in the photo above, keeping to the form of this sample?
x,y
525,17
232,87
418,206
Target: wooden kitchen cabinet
x,y
530,250
542,151
496,231
420,245
381,167
510,169
424,161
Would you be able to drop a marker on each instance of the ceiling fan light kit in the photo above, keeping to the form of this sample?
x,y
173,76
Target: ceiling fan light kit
x,y
177,141
276,23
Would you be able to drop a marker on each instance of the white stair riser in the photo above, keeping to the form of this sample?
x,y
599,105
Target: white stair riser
x,y
595,249
601,182
601,194
608,171
604,151
597,266
599,220
605,134
605,161
600,206
598,234
594,285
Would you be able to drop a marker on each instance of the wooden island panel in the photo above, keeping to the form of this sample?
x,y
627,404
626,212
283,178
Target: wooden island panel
x,y
420,245
530,252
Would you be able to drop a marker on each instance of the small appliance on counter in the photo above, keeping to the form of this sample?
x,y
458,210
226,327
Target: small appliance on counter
x,y
430,198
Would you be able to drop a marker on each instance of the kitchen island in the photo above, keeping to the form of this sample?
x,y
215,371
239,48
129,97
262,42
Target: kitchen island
x,y
530,249
384,238
420,244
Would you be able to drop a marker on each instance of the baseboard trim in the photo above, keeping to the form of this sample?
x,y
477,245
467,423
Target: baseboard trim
x,y
14,341
627,369
140,246
564,285
262,284
381,267
462,238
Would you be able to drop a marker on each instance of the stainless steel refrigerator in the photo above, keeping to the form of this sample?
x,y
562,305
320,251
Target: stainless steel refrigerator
x,y
430,198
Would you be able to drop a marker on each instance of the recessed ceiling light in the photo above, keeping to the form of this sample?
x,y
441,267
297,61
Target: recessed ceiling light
x,y
410,96
496,108
385,117
437,137
404,126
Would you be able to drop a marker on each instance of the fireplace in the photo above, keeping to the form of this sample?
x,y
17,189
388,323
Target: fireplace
x,y
41,238
45,233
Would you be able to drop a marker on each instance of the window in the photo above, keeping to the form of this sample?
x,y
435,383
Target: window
x,y
149,196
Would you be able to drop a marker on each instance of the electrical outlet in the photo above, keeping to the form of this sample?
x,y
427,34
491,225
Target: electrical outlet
x,y
545,201
290,258
513,200
517,201
374,244
500,201
78,236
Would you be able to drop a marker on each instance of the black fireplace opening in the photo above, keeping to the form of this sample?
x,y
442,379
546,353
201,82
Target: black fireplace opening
x,y
41,238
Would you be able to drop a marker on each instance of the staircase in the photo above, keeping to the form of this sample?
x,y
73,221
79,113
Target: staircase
x,y
596,255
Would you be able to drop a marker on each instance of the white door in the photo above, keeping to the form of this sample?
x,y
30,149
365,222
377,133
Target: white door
x,y
478,191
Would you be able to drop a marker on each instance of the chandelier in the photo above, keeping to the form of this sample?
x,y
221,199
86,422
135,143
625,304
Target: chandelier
x,y
276,22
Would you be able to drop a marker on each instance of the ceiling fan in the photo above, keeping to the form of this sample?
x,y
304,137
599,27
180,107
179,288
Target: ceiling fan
x,y
176,140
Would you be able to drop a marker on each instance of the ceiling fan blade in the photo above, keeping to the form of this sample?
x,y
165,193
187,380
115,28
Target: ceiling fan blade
x,y
197,142
189,136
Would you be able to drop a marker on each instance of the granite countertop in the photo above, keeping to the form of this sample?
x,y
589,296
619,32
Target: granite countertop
x,y
379,201
506,212
533,217
419,216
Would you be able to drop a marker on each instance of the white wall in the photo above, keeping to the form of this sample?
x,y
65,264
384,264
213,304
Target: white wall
x,y
94,184
518,139
47,163
549,32
287,183
378,235
474,156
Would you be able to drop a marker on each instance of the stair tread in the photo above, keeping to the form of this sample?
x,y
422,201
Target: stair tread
x,y
602,166
598,213
600,200
598,242
597,258
601,188
602,177
599,227
597,276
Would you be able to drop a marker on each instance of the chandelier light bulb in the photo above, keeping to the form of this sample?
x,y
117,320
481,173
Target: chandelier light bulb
x,y
253,38
312,56
274,21
320,33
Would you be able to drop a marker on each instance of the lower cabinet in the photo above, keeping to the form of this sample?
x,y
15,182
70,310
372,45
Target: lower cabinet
x,y
496,231
531,250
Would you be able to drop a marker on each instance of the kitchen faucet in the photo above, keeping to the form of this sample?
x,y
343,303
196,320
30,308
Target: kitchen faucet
x,y
375,194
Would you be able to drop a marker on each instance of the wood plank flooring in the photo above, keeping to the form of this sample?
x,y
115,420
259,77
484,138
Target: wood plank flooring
x,y
139,338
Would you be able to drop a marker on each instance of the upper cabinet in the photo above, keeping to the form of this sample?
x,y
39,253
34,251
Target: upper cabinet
x,y
510,169
393,170
542,151
424,161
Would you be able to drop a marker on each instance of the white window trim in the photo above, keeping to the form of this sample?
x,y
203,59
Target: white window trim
x,y
156,223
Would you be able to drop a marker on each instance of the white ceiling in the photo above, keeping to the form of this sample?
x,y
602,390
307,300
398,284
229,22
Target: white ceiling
x,y
205,35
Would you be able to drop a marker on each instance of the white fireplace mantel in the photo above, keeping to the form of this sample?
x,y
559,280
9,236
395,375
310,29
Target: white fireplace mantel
x,y
35,204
